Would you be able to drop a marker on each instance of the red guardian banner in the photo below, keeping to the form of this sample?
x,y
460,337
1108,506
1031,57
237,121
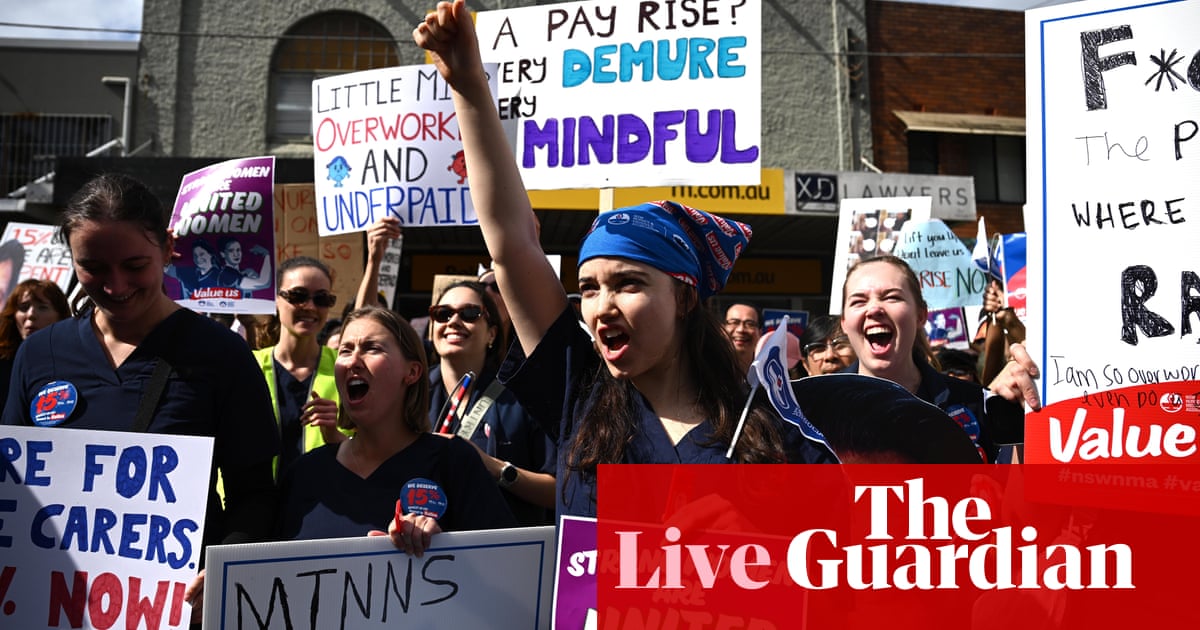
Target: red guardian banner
x,y
871,546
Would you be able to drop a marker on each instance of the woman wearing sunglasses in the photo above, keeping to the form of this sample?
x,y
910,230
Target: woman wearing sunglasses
x,y
661,383
464,322
884,314
299,370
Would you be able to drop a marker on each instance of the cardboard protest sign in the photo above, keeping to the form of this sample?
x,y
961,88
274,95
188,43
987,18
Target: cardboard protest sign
x,y
944,266
224,230
386,143
45,259
100,529
465,580
575,583
618,94
296,235
868,228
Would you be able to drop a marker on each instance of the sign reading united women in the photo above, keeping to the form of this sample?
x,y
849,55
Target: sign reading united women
x,y
619,94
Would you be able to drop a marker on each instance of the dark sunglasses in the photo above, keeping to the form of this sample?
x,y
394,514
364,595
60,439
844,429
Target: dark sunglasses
x,y
469,313
300,295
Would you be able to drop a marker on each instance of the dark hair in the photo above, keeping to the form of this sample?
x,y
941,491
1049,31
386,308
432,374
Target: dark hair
x,y
113,197
493,355
757,313
297,262
608,426
208,247
10,336
922,352
958,360
416,400
821,328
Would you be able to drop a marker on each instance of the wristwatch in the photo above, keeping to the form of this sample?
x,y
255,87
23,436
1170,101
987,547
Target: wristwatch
x,y
508,475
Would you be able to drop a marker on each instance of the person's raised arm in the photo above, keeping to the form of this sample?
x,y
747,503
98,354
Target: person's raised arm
x,y
532,291
378,237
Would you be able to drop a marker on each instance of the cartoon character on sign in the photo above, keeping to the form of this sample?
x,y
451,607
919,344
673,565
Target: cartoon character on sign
x,y
339,169
459,165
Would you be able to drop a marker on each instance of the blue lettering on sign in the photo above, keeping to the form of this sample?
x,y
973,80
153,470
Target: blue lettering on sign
x,y
647,61
10,452
413,205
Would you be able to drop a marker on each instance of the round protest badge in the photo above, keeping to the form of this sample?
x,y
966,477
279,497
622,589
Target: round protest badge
x,y
53,404
422,497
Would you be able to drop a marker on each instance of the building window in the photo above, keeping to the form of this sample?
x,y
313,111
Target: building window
x,y
997,162
321,45
31,143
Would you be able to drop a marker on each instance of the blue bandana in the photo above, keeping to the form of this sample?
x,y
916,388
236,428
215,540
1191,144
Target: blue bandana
x,y
690,245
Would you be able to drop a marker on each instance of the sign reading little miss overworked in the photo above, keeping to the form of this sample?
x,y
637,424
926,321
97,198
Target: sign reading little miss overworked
x,y
386,143
99,529
621,93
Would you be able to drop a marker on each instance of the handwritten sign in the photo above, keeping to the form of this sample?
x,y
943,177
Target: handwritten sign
x,y
296,235
949,277
465,580
868,228
99,529
45,258
224,232
1114,293
619,94
386,143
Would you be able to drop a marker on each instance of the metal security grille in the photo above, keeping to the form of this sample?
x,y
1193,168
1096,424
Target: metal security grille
x,y
29,143
321,45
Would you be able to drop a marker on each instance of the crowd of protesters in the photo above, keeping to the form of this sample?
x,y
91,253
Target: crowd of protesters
x,y
321,427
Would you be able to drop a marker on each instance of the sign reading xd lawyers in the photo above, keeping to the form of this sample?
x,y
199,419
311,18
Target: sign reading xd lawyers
x,y
386,143
1114,190
99,529
618,94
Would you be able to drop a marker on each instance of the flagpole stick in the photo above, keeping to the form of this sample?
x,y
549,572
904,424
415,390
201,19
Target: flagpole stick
x,y
742,421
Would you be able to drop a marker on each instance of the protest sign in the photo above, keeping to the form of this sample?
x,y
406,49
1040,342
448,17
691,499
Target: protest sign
x,y
618,94
224,230
1114,159
386,143
797,320
575,583
464,580
296,235
100,529
1010,252
868,228
45,259
943,265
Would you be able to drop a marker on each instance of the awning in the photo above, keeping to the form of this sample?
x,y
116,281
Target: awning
x,y
963,123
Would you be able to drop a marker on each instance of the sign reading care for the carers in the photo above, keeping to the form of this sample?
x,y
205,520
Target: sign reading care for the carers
x,y
1114,218
481,579
99,529
386,143
225,233
618,94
